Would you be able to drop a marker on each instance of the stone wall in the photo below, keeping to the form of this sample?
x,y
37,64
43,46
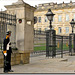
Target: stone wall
x,y
15,58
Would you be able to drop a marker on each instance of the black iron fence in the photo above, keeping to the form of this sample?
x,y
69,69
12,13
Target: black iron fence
x,y
57,44
61,44
5,19
39,43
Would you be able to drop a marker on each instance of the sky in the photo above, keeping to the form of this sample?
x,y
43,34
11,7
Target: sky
x,y
31,2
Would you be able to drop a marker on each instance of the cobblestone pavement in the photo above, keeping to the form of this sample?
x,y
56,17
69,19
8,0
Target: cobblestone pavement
x,y
42,64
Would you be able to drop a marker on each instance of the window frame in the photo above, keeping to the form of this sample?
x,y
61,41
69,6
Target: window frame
x,y
67,29
46,20
67,17
60,30
59,18
39,19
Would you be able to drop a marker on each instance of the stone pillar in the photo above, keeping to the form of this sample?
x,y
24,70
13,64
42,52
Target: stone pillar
x,y
24,30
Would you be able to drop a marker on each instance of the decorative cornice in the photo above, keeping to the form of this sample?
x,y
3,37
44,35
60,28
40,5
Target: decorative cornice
x,y
54,6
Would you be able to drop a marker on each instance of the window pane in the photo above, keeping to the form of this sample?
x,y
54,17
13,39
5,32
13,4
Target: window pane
x,y
74,16
59,30
39,19
67,17
53,19
67,29
46,19
59,18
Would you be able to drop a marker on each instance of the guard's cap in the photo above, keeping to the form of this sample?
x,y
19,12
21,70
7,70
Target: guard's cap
x,y
8,32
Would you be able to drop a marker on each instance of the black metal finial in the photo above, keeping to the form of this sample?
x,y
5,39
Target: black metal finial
x,y
72,19
49,10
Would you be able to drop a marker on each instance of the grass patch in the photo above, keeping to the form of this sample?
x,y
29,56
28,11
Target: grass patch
x,y
39,48
40,44
44,47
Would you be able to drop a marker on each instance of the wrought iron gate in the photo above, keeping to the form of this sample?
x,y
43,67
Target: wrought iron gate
x,y
58,45
39,43
49,44
5,20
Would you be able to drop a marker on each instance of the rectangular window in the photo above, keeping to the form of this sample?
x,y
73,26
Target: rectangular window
x,y
59,30
53,19
59,18
67,29
46,19
74,17
39,19
67,17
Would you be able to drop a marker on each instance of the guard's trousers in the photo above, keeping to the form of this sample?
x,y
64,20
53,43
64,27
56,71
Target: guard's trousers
x,y
7,61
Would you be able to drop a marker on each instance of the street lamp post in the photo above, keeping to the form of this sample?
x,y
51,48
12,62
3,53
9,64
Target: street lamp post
x,y
72,24
50,37
72,35
50,17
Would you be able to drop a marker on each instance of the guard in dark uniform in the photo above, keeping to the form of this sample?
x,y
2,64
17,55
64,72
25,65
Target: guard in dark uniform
x,y
7,52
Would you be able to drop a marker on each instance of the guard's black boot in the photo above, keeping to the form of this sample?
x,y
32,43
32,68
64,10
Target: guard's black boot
x,y
5,71
11,71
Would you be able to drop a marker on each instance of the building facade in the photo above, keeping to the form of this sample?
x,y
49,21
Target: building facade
x,y
64,13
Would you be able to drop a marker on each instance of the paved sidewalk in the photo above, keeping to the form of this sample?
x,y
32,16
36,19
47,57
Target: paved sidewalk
x,y
41,64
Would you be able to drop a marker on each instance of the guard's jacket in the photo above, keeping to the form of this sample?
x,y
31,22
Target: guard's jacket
x,y
7,49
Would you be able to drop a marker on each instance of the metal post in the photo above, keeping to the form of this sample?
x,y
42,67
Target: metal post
x,y
50,25
72,29
62,47
50,43
70,44
34,33
54,44
15,20
74,43
47,44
